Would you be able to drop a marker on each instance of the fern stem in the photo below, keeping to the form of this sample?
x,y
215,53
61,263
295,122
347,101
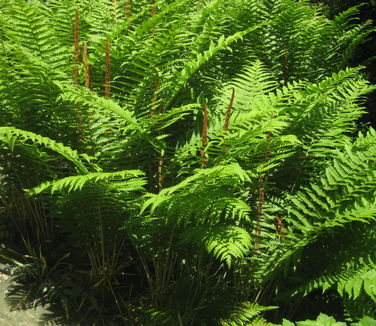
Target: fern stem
x,y
205,127
114,8
76,60
76,48
85,61
160,173
307,158
154,103
261,199
229,110
107,86
204,134
154,99
161,159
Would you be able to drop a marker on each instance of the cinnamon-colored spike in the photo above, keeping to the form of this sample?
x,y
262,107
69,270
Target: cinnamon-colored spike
x,y
279,226
229,110
153,11
76,48
107,85
128,8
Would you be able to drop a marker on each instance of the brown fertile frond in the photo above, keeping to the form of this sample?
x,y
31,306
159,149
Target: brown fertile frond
x,y
229,110
153,11
279,226
128,8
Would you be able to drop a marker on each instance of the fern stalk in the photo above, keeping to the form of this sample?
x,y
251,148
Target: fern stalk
x,y
204,134
114,7
86,66
161,160
261,198
76,48
75,67
154,99
107,76
154,103
260,204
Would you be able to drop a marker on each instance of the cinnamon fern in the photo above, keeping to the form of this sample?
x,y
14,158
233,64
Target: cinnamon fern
x,y
185,162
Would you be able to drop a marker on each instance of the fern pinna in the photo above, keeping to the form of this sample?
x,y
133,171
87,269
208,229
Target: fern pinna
x,y
185,160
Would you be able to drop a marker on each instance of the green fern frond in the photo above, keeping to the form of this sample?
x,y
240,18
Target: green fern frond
x,y
11,135
364,279
92,100
74,183
245,315
191,188
225,243
344,196
192,66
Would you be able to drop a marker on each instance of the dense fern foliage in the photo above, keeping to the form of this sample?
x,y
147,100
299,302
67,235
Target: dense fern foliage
x,y
185,162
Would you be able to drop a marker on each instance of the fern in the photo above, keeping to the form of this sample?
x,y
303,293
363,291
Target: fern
x,y
11,135
342,206
76,183
226,243
224,131
245,315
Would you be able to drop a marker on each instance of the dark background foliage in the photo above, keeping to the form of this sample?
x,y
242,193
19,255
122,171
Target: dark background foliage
x,y
365,54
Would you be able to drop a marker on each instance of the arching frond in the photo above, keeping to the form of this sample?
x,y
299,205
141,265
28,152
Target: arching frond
x,y
11,135
125,181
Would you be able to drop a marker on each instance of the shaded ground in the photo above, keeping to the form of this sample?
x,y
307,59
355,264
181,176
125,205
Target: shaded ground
x,y
28,317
